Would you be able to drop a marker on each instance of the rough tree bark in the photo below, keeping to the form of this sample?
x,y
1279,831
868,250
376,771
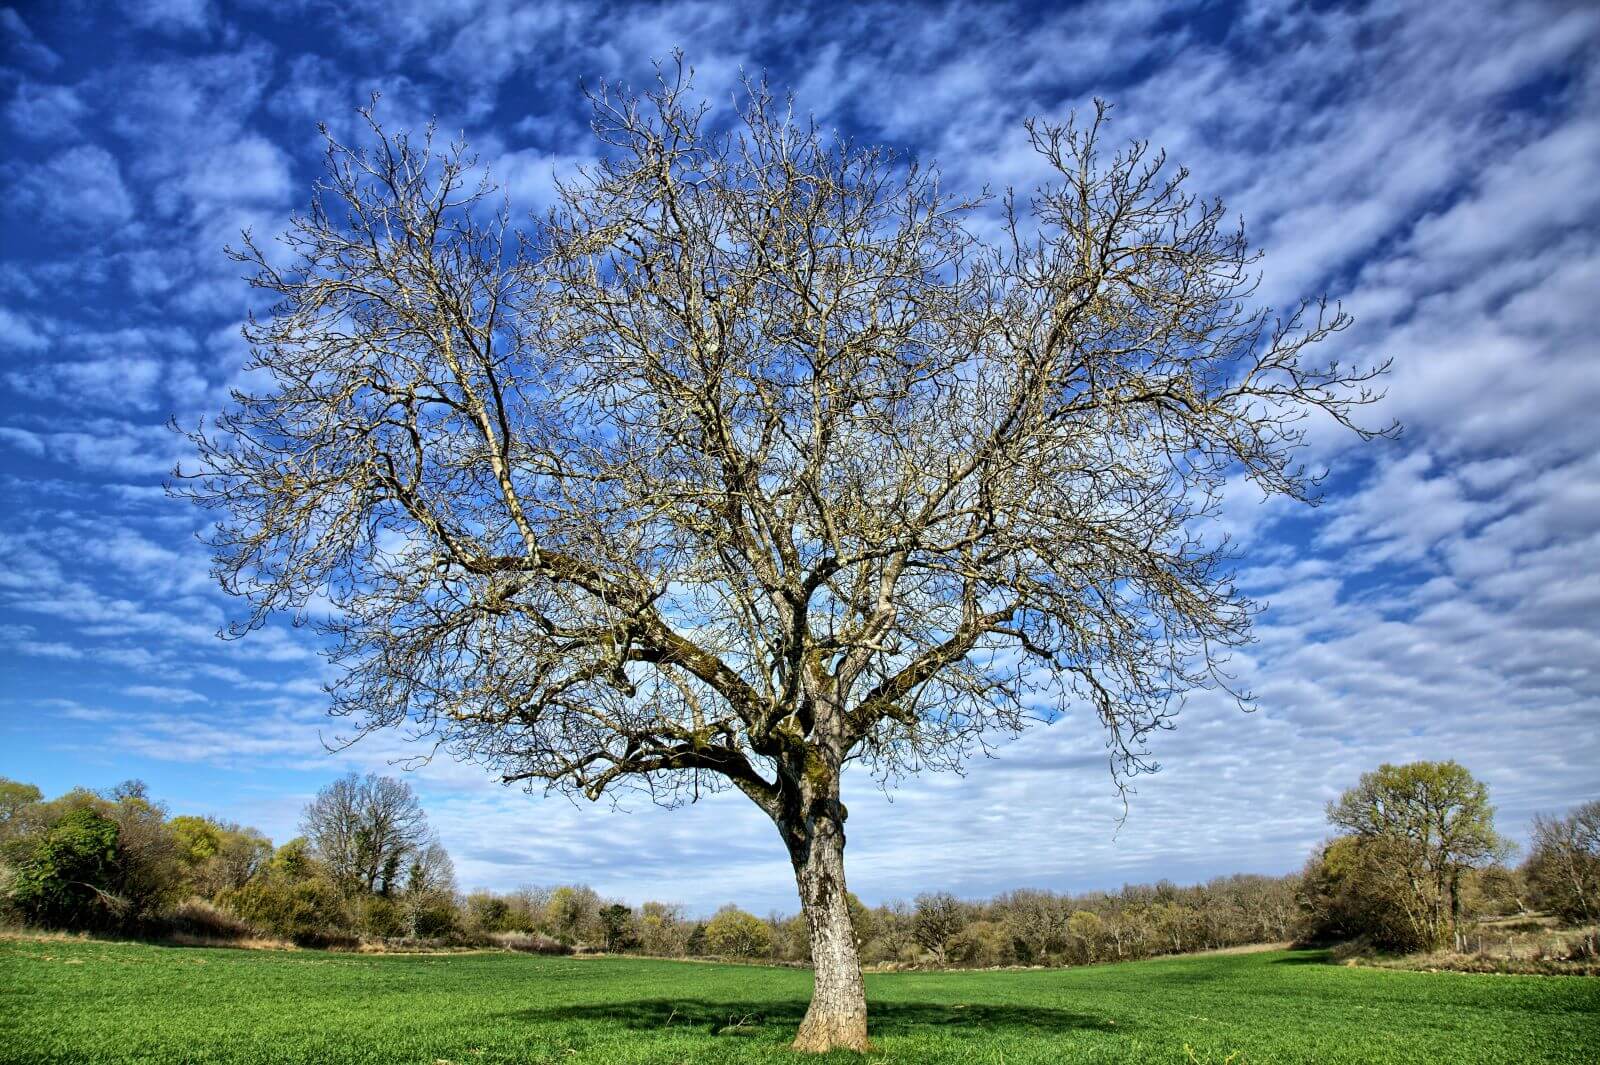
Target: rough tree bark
x,y
814,833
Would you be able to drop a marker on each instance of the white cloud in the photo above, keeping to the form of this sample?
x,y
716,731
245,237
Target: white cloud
x,y
171,16
120,383
45,112
158,694
81,188
103,446
20,335
23,43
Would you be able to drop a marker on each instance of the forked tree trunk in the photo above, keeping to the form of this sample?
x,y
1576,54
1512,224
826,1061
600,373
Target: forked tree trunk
x,y
837,1017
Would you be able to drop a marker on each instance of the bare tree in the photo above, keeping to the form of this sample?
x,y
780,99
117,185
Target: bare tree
x,y
752,459
1037,920
1563,866
367,829
940,916
429,900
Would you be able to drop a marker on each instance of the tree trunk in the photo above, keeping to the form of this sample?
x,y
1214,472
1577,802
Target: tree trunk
x,y
837,1017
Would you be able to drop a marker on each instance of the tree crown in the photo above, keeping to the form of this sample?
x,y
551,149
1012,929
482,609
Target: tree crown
x,y
758,453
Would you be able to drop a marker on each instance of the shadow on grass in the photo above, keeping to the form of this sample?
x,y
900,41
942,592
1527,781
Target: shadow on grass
x,y
885,1018
1306,956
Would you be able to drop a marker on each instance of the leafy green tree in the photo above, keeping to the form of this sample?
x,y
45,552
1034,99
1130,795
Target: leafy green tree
x,y
69,877
573,913
379,915
861,920
294,861
1357,887
15,798
662,929
1086,930
616,920
199,838
983,944
213,856
1170,922
792,937
733,933
487,912
1423,826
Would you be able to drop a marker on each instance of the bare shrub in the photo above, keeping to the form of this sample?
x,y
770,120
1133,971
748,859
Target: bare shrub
x,y
529,943
197,917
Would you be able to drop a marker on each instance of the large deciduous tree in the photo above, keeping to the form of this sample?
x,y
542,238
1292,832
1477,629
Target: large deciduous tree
x,y
1418,828
367,829
759,454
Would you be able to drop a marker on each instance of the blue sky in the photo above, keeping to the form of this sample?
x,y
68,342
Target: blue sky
x,y
1437,169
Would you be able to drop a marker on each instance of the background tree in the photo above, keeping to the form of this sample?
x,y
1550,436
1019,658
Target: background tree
x,y
1420,828
486,912
733,933
895,923
1563,866
295,861
15,800
149,875
1037,921
366,829
1086,930
695,944
1360,887
752,459
214,856
791,937
428,904
940,916
663,931
982,944
573,914
51,838
616,921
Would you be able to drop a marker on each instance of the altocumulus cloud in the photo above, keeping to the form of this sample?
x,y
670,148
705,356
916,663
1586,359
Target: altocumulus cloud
x,y
1436,167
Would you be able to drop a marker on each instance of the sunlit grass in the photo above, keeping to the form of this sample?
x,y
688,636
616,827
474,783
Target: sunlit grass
x,y
65,1001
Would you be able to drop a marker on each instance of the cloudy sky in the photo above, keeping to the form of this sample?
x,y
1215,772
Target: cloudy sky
x,y
1437,170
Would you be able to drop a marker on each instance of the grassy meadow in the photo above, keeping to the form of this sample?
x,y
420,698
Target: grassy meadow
x,y
83,1001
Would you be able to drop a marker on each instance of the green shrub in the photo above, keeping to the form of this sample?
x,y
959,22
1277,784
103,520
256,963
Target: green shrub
x,y
431,918
487,913
378,916
312,912
982,944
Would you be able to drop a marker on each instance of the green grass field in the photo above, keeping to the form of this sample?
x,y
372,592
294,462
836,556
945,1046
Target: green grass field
x,y
72,1001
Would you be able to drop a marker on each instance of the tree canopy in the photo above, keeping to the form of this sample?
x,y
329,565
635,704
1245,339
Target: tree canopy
x,y
1415,830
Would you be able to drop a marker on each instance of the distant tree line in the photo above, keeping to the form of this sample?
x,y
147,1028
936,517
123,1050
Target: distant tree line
x,y
1417,861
